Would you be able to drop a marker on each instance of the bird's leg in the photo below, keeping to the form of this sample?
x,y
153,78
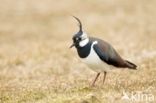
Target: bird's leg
x,y
104,76
95,79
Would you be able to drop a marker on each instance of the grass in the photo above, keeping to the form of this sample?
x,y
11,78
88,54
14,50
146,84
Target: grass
x,y
37,66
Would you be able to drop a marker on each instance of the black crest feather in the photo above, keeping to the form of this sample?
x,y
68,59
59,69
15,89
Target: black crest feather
x,y
80,24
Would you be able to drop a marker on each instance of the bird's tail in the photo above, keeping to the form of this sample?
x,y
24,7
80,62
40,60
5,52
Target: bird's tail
x,y
130,65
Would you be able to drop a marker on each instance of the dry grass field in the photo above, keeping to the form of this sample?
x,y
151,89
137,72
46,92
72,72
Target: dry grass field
x,y
37,66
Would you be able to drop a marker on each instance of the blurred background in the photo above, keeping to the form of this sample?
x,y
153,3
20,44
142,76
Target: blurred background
x,y
36,64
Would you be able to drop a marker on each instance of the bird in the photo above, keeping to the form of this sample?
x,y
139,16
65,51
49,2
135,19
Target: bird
x,y
98,54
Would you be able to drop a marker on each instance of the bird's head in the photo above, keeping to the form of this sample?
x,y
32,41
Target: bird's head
x,y
80,39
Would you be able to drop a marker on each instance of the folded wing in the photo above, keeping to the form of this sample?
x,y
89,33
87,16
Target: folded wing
x,y
108,54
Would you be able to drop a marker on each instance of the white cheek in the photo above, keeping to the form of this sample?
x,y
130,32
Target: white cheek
x,y
83,42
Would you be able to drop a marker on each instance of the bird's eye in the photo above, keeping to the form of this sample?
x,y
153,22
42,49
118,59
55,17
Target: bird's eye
x,y
79,39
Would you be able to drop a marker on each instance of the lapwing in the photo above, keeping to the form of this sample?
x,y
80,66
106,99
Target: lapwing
x,y
99,55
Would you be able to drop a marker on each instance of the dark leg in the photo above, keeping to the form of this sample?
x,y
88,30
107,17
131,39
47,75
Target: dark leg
x,y
95,79
104,76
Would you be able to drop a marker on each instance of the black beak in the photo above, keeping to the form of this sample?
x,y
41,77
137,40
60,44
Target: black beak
x,y
72,45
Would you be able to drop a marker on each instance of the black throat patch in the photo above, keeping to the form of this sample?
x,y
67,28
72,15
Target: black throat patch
x,y
83,52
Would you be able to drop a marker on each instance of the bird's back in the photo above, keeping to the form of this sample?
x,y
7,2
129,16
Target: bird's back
x,y
113,58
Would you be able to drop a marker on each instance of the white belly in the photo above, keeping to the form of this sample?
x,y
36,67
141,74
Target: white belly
x,y
94,62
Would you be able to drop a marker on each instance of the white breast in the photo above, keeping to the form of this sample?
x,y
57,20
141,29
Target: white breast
x,y
94,62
